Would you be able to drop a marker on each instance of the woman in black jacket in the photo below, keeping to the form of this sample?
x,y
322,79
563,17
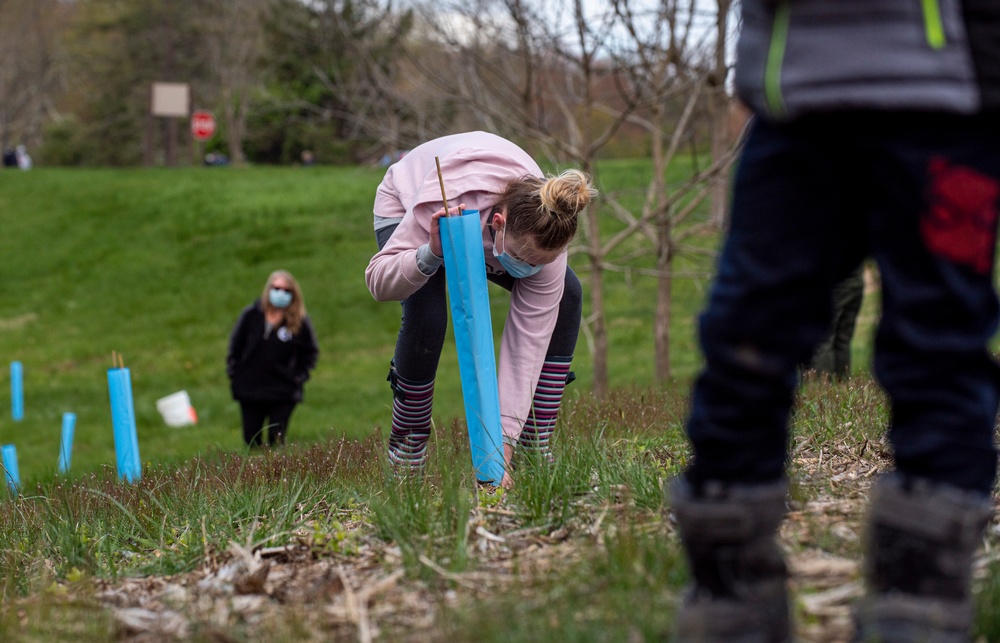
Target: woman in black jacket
x,y
271,351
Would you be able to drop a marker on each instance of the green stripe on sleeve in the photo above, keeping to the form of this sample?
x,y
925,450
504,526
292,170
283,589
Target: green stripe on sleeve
x,y
933,26
775,57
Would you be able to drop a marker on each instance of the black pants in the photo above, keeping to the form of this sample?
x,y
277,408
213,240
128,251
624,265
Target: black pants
x,y
254,414
833,357
425,319
919,193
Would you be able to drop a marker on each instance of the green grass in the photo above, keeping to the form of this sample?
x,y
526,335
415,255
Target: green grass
x,y
584,555
59,537
157,264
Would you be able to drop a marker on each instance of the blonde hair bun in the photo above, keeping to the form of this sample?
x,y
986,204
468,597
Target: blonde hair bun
x,y
548,209
567,194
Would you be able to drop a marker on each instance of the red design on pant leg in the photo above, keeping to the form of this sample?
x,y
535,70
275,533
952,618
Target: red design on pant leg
x,y
960,222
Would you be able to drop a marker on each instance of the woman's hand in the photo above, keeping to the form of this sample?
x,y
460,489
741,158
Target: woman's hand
x,y
435,240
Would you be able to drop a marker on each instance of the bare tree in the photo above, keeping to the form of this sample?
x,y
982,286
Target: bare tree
x,y
671,65
568,80
234,42
30,73
385,96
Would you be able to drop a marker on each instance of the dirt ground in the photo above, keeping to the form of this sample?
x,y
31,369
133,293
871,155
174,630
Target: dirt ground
x,y
291,592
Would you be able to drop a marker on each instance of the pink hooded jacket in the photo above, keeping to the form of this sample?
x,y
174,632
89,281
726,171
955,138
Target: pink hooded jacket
x,y
476,166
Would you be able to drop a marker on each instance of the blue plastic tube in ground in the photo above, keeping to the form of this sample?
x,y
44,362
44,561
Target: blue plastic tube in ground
x,y
66,443
465,273
123,419
10,470
17,391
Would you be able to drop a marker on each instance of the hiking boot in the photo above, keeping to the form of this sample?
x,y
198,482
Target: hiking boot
x,y
921,540
739,589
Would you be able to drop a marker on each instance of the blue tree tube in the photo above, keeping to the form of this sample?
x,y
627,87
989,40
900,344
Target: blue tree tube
x,y
17,391
66,443
123,420
11,472
465,273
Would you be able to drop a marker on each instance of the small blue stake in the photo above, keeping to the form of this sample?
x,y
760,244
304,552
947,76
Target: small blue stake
x,y
11,472
17,391
66,444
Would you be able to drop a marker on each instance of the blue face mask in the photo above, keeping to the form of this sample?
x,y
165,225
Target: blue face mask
x,y
515,267
279,298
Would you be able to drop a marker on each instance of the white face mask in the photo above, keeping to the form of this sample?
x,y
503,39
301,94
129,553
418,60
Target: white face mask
x,y
517,268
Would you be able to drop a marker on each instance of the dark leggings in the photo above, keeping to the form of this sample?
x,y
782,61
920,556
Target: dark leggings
x,y
254,414
425,319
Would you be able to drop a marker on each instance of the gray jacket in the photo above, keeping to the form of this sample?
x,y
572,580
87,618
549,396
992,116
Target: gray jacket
x,y
800,56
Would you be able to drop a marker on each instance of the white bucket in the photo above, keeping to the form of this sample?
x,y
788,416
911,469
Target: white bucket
x,y
176,409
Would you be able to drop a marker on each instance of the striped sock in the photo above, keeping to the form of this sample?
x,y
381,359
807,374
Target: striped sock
x,y
411,424
537,432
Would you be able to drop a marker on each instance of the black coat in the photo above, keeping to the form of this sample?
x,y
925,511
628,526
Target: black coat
x,y
269,366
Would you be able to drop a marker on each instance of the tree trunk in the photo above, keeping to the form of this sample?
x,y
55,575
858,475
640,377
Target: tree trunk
x,y
598,325
664,291
170,141
229,114
718,100
664,239
719,198
235,115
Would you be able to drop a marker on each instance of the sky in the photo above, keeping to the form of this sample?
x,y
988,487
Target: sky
x,y
560,18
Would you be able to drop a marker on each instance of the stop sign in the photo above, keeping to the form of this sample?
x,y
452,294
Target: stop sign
x,y
202,125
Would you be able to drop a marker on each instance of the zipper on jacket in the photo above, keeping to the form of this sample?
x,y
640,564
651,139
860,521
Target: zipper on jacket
x,y
933,26
775,58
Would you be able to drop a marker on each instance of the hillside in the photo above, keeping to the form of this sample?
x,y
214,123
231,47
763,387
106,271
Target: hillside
x,y
157,264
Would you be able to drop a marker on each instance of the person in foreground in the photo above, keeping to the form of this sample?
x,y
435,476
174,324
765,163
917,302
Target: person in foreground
x,y
876,131
271,353
528,221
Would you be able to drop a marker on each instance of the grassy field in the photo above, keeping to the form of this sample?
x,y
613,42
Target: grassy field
x,y
316,542
157,264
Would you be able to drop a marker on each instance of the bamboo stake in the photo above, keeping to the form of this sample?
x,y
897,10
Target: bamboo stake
x,y
444,197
